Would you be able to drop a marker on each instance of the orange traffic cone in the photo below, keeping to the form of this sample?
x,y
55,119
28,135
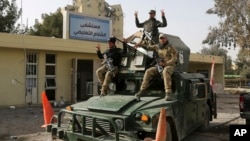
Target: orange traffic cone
x,y
161,132
47,110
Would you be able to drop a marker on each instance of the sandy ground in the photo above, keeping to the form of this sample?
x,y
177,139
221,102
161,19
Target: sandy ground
x,y
24,123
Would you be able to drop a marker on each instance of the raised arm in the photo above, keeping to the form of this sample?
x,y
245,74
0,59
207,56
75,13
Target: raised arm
x,y
98,51
137,23
164,20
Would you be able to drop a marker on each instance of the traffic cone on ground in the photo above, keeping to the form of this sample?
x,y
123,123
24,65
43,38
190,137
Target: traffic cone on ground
x,y
47,110
161,132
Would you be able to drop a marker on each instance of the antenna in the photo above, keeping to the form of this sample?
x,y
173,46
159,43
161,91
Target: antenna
x,y
27,23
22,12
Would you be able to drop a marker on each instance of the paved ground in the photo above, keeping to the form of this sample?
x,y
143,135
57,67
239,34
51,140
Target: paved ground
x,y
24,123
228,113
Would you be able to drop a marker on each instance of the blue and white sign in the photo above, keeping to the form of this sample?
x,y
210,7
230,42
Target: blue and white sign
x,y
89,28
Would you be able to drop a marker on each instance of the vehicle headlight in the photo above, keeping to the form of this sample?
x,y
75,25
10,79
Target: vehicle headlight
x,y
145,118
119,124
69,108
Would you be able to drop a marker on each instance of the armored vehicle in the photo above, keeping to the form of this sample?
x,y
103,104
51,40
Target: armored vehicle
x,y
120,116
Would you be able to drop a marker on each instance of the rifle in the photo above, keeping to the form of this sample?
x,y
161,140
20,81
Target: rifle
x,y
109,63
147,35
159,67
132,49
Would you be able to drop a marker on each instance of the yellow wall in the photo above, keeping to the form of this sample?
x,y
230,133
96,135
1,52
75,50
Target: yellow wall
x,y
204,62
12,88
13,74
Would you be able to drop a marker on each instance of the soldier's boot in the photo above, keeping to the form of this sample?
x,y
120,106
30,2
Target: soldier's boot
x,y
104,90
139,94
169,95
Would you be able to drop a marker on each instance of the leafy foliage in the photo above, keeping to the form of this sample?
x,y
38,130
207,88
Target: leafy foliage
x,y
229,66
214,50
243,63
217,51
234,27
9,14
52,25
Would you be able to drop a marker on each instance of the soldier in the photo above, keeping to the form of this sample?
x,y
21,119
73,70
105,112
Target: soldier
x,y
166,57
109,68
150,26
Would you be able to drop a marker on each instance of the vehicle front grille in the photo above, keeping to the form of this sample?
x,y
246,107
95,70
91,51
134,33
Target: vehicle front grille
x,y
102,123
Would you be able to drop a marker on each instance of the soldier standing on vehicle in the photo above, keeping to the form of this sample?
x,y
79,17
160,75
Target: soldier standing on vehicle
x,y
110,66
166,57
150,26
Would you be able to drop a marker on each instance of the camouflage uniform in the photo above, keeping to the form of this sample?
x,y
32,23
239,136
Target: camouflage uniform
x,y
167,55
151,26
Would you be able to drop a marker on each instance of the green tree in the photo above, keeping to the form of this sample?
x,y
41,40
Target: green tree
x,y
234,28
229,65
214,50
51,26
242,63
9,14
217,51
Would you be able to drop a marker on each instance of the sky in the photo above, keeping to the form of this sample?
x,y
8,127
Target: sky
x,y
186,18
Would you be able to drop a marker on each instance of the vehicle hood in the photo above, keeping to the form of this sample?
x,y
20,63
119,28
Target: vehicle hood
x,y
119,103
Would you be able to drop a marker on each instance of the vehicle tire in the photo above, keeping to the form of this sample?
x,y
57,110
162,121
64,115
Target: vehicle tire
x,y
169,133
215,106
206,123
247,121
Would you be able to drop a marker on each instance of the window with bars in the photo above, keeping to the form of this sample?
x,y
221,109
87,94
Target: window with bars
x,y
50,76
31,69
50,71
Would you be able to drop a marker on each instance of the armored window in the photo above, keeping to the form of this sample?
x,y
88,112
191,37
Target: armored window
x,y
124,61
200,89
138,61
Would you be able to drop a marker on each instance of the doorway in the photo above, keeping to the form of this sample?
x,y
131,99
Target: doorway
x,y
83,78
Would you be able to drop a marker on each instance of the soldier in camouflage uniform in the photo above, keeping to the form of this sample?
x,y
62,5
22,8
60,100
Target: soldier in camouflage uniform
x,y
166,59
151,26
108,70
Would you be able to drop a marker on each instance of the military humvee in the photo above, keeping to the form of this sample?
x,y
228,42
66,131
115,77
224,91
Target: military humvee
x,y
120,116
